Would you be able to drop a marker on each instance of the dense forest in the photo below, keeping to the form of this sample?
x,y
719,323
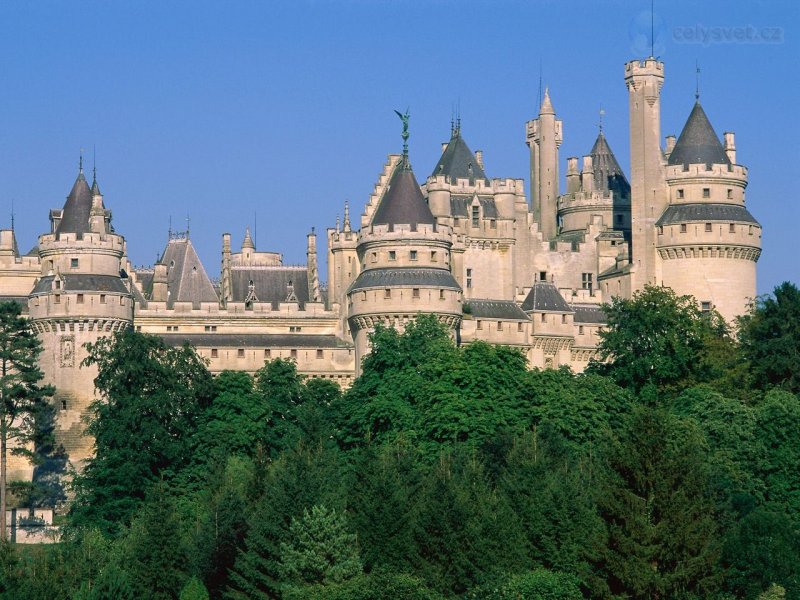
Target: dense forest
x,y
668,470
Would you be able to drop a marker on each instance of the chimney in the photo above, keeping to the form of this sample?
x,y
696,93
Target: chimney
x,y
730,146
587,175
479,158
573,176
159,284
671,140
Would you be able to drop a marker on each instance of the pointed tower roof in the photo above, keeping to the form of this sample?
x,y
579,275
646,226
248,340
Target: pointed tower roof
x,y
248,241
95,187
547,105
458,161
77,209
187,280
403,202
608,175
698,142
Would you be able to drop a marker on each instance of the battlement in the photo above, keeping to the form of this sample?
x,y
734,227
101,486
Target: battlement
x,y
725,172
236,310
645,67
396,233
497,185
50,243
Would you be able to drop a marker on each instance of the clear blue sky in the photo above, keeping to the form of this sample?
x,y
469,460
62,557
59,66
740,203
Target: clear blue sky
x,y
221,110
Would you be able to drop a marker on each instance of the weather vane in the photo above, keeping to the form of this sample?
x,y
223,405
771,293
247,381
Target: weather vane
x,y
404,118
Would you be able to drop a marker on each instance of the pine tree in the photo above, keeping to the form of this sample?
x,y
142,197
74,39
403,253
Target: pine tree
x,y
21,395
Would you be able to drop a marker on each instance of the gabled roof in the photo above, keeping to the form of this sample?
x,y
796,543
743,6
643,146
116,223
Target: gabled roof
x,y
458,161
77,209
545,297
187,280
608,175
698,142
403,202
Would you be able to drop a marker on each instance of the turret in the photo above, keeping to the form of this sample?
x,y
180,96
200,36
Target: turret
x,y
708,242
312,269
544,136
405,264
648,198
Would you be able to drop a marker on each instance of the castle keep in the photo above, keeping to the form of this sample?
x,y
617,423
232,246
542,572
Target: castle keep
x,y
490,262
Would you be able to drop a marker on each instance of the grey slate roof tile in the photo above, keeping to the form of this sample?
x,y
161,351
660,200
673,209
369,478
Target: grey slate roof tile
x,y
75,216
271,284
682,213
187,280
403,202
698,142
589,313
545,297
608,175
82,283
252,340
458,162
407,277
496,309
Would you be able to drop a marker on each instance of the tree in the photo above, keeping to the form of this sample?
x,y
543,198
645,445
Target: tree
x,y
654,339
155,552
21,395
550,488
654,497
770,338
319,549
143,427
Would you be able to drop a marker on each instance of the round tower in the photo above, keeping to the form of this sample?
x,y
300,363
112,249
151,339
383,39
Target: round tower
x,y
405,265
707,241
83,294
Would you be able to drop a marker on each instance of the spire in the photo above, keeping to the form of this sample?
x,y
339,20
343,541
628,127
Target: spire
x,y
347,225
248,241
697,82
547,105
698,142
78,207
608,175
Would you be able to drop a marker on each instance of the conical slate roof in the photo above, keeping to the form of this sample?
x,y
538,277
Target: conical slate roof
x,y
458,161
698,143
403,202
608,175
77,209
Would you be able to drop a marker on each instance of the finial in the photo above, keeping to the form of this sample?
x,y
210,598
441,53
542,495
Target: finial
x,y
188,221
12,214
347,227
458,117
697,81
169,231
80,162
602,112
94,164
338,228
404,118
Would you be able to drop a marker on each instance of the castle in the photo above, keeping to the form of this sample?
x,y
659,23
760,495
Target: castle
x,y
475,251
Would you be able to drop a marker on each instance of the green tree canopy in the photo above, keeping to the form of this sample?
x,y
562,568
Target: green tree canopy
x,y
143,427
770,338
656,339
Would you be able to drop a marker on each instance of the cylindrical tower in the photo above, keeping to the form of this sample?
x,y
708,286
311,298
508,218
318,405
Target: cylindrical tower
x,y
708,242
82,295
405,265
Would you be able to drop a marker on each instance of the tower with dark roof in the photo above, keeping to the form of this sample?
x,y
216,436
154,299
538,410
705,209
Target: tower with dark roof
x,y
404,264
83,293
707,241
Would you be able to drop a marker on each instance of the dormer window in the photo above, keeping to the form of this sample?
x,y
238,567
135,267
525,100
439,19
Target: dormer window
x,y
476,216
58,284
